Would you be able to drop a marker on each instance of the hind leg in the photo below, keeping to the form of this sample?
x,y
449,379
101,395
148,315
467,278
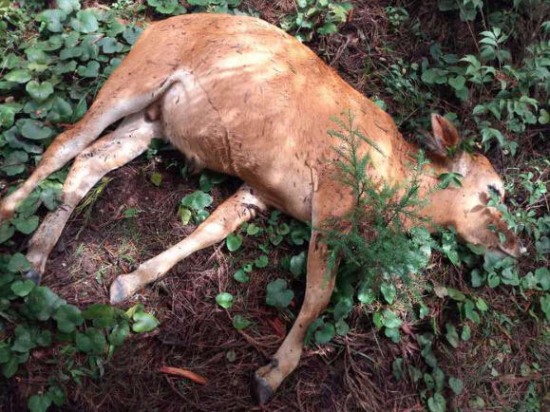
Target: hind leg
x,y
239,208
110,152
121,96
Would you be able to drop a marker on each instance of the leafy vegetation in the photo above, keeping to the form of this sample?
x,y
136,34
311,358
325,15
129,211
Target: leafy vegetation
x,y
320,17
54,61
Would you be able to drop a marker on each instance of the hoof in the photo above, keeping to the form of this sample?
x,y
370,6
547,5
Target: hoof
x,y
33,275
118,291
261,391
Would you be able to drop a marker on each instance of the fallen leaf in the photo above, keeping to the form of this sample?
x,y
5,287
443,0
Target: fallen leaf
x,y
184,373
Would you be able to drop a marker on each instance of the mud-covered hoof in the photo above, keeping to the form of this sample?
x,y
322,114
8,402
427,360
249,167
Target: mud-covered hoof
x,y
118,291
34,276
261,391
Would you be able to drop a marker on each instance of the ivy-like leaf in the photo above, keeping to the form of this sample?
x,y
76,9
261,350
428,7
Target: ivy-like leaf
x,y
110,45
278,294
15,163
33,129
68,317
26,225
18,76
90,70
144,322
325,334
240,322
225,300
39,91
53,19
18,263
85,22
197,200
22,287
233,242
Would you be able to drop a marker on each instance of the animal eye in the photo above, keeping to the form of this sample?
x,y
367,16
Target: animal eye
x,y
494,190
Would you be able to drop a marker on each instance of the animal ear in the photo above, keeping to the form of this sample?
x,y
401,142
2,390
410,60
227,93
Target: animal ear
x,y
444,137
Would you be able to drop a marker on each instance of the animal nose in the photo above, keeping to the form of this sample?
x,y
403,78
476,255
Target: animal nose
x,y
522,249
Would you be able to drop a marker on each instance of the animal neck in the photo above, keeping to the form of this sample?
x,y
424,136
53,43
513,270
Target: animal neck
x,y
432,200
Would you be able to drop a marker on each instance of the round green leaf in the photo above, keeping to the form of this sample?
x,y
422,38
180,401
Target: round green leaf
x,y
70,53
144,322
156,179
278,294
61,110
225,300
201,216
390,319
22,287
33,129
90,70
92,342
240,322
18,263
342,328
68,6
437,403
325,334
36,55
26,225
185,215
102,316
10,367
197,200
110,45
457,82
42,302
7,114
298,264
6,232
63,67
5,352
131,34
366,295
68,317
389,292
39,403
119,333
18,76
53,19
452,335
24,340
261,261
241,276
393,334
456,385
253,230
15,163
85,22
39,91
234,242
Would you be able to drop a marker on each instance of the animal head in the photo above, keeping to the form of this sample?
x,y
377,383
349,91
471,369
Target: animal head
x,y
466,207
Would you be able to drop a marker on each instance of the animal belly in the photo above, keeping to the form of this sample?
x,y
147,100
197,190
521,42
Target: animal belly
x,y
193,125
223,139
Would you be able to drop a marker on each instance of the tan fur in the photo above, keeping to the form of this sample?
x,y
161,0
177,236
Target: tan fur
x,y
240,96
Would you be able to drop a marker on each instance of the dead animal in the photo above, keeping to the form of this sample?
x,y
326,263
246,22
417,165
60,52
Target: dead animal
x,y
240,96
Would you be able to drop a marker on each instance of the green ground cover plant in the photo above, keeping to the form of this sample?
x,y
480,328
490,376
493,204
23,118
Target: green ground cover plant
x,y
496,84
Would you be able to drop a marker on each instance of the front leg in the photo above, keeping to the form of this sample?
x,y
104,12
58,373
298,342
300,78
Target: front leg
x,y
320,285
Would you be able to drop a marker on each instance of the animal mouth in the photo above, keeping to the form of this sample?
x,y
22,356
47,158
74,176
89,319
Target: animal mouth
x,y
514,253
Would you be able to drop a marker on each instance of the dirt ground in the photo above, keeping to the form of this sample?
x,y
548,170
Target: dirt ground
x,y
350,373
